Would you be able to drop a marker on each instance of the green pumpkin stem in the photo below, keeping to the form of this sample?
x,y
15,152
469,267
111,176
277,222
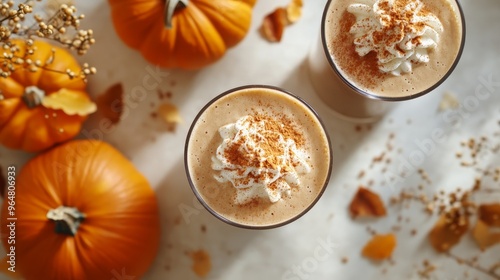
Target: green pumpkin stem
x,y
170,7
67,219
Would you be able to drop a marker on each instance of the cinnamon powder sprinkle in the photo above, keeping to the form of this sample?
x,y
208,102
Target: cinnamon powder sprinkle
x,y
268,140
363,69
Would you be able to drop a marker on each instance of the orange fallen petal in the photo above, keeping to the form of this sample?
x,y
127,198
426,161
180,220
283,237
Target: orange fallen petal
x,y
380,247
201,263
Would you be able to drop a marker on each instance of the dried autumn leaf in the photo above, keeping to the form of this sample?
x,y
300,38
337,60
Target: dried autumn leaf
x,y
274,25
170,115
367,204
201,263
484,235
294,11
490,214
380,247
447,232
70,102
110,103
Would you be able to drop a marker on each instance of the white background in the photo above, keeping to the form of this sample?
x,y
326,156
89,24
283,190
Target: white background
x,y
275,254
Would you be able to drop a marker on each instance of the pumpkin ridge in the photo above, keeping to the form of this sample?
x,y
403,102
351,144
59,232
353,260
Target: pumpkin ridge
x,y
233,26
195,27
125,15
12,114
13,129
36,128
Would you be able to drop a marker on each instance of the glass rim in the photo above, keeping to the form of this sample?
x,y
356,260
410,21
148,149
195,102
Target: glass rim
x,y
247,226
389,98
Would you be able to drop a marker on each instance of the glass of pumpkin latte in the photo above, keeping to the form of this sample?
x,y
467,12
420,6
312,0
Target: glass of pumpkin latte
x,y
372,52
258,157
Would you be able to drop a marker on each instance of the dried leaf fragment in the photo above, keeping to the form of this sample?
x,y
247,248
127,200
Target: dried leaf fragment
x,y
70,102
380,247
274,24
201,263
294,11
448,102
490,214
447,232
484,235
366,204
170,115
110,103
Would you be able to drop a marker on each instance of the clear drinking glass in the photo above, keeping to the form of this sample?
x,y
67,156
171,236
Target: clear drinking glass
x,y
204,138
361,104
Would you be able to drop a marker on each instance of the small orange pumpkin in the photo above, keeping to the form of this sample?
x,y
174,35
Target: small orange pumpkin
x,y
83,212
26,124
200,30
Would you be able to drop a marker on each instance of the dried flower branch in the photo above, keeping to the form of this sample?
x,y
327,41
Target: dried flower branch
x,y
62,27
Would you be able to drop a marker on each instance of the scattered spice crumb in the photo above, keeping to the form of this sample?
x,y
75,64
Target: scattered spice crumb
x,y
344,260
162,95
427,270
203,228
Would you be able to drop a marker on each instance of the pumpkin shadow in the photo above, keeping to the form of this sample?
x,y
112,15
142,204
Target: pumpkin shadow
x,y
145,88
187,227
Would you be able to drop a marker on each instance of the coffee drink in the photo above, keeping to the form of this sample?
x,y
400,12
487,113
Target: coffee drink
x,y
373,51
257,157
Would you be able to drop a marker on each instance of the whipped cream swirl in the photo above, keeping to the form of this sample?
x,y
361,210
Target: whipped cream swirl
x,y
400,31
261,157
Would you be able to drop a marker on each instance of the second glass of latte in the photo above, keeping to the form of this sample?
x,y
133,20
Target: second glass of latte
x,y
373,52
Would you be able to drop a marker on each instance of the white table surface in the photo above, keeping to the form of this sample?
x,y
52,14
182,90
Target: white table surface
x,y
289,252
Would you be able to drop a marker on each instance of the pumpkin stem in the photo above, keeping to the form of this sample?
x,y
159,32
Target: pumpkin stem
x,y
170,7
33,96
67,219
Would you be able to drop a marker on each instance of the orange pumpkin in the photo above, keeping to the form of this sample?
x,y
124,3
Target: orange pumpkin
x,y
83,212
200,31
24,123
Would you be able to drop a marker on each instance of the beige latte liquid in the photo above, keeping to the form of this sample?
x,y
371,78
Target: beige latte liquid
x,y
219,198
363,73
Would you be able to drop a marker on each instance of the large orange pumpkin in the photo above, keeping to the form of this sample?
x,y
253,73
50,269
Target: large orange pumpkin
x,y
200,31
24,123
83,212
